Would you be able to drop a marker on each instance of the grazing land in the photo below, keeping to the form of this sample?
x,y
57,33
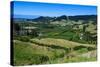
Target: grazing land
x,y
50,40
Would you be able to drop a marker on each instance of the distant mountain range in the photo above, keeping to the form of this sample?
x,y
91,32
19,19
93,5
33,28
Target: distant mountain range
x,y
49,19
64,17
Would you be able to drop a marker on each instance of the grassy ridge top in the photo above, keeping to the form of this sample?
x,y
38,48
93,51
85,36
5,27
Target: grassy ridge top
x,y
61,42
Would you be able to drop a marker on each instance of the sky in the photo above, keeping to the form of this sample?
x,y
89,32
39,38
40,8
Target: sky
x,y
47,9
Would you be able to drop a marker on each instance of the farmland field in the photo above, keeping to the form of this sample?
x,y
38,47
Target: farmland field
x,y
48,50
51,44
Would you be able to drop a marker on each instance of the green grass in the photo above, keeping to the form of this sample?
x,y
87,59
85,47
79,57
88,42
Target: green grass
x,y
60,42
45,51
80,59
27,53
54,46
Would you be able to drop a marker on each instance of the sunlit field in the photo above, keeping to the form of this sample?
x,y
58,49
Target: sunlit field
x,y
45,33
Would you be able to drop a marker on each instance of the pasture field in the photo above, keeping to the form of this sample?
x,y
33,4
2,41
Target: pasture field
x,y
47,40
51,51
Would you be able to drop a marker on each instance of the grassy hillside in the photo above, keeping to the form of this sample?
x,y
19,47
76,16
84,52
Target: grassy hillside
x,y
30,53
49,50
49,40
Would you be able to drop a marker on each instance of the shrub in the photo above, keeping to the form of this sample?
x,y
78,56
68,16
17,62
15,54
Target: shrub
x,y
22,38
82,50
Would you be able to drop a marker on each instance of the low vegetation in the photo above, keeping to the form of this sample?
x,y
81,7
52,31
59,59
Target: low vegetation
x,y
46,51
48,41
